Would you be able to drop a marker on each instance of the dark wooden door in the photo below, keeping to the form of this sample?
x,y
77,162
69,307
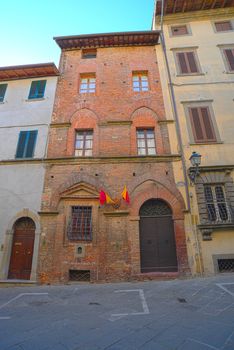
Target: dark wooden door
x,y
22,249
157,241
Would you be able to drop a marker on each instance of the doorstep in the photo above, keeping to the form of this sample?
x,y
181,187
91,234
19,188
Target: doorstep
x,y
17,283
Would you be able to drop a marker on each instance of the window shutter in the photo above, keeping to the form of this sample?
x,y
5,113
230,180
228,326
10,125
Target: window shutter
x,y
31,143
209,130
21,144
182,62
230,57
33,89
196,124
223,26
192,63
3,88
41,88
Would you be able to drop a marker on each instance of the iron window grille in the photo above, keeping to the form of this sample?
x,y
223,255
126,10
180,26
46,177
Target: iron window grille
x,y
140,82
217,208
84,143
80,224
145,142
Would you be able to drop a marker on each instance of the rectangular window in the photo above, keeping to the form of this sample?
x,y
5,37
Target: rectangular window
x,y
179,30
80,225
140,81
229,55
216,204
223,26
202,126
26,144
187,62
87,84
89,53
84,143
3,88
146,142
37,89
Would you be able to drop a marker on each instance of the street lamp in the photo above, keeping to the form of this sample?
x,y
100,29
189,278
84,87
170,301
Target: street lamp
x,y
195,160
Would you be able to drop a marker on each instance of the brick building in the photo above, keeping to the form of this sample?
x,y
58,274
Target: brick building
x,y
108,130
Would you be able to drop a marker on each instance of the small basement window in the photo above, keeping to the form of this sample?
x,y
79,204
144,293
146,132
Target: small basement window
x,y
226,265
89,53
79,275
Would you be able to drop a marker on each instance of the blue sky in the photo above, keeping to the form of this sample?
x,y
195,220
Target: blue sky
x,y
28,26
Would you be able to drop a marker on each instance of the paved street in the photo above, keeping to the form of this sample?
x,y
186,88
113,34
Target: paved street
x,y
195,314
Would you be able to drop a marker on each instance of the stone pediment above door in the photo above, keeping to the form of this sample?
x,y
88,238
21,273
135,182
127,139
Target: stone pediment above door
x,y
80,190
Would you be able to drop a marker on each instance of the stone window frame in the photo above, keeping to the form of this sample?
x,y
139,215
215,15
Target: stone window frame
x,y
213,177
199,103
221,21
193,49
189,31
216,257
67,205
224,58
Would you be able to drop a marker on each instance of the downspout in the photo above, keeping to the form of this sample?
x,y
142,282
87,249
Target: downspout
x,y
175,113
178,132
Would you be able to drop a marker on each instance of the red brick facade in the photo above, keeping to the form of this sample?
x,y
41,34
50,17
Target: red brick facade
x,y
113,112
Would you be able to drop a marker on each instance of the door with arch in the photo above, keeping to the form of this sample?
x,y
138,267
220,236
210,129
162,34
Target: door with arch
x,y
22,249
157,238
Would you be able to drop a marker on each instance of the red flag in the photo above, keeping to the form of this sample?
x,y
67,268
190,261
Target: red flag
x,y
102,197
125,195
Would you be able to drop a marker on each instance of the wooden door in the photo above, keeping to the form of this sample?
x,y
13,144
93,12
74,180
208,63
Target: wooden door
x,y
157,241
22,249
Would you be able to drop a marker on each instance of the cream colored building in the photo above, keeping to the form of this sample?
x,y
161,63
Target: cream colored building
x,y
196,57
26,104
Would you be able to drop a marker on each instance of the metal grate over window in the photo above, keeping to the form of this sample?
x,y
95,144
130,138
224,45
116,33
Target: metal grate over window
x,y
216,204
80,225
79,275
226,265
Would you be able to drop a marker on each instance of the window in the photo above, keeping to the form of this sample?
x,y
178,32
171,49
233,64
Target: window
x,y
202,126
87,84
146,142
84,143
80,225
3,88
217,208
179,30
140,81
223,26
37,89
187,62
26,144
89,53
229,56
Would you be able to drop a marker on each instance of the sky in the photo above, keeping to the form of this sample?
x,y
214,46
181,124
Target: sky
x,y
28,26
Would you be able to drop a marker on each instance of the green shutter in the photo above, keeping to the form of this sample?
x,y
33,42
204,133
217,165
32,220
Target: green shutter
x,y
31,141
37,89
3,88
21,144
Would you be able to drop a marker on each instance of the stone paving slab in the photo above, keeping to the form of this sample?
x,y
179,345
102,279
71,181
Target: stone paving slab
x,y
195,314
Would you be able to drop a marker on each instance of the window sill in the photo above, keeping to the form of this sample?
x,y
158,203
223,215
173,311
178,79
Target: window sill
x,y
228,72
35,99
207,229
190,75
206,143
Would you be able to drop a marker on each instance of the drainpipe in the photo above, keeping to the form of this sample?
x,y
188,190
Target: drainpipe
x,y
178,132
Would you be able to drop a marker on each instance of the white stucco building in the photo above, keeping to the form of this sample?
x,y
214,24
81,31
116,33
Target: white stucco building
x,y
26,104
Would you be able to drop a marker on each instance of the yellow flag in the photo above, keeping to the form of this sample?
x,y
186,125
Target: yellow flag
x,y
109,200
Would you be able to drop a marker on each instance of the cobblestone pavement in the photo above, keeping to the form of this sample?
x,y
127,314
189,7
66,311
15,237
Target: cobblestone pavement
x,y
195,314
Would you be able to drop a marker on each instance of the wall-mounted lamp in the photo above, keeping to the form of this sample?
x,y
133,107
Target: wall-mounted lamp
x,y
195,160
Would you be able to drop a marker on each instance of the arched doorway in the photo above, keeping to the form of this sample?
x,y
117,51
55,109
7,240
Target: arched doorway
x,y
22,249
157,239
